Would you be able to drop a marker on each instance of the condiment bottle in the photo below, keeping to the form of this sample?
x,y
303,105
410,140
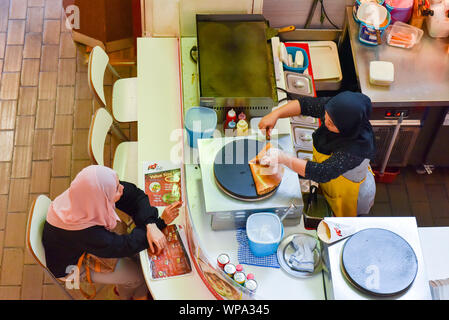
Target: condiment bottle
x,y
250,276
242,116
242,128
229,131
230,116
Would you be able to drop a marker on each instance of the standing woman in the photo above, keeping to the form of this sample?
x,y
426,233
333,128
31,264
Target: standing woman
x,y
342,148
81,220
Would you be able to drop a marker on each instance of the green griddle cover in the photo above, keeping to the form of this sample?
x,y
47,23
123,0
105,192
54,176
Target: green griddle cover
x,y
235,59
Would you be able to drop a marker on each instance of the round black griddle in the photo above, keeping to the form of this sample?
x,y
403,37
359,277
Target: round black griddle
x,y
379,262
232,172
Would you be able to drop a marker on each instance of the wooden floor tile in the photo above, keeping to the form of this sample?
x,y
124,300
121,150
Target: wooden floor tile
x,y
18,9
3,215
15,230
400,205
12,267
30,72
8,110
40,177
2,44
18,192
13,59
35,19
65,100
80,145
47,85
58,186
4,13
6,145
10,86
82,59
53,9
438,200
61,161
24,131
5,172
33,276
49,60
45,115
36,3
16,32
32,48
21,163
52,30
53,292
62,133
66,72
82,86
42,148
67,48
10,292
83,114
27,101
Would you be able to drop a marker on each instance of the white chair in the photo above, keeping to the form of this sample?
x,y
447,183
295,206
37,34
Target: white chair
x,y
35,227
125,156
124,91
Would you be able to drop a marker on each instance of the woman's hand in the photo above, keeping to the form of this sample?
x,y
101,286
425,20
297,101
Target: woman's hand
x,y
273,157
267,123
156,239
171,212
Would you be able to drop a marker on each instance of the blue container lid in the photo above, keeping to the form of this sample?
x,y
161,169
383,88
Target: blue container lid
x,y
206,116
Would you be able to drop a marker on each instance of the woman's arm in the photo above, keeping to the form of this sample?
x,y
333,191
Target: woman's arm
x,y
136,204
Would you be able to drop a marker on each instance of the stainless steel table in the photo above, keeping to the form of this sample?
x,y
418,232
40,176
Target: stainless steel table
x,y
421,74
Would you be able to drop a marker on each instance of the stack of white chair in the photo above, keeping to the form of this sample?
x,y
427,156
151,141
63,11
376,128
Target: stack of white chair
x,y
124,109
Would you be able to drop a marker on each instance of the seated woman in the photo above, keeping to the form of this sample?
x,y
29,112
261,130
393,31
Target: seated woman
x,y
81,220
342,148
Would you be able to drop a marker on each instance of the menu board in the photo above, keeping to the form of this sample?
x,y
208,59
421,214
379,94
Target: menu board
x,y
162,183
173,260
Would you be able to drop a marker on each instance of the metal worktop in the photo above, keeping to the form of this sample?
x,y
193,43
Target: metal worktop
x,y
421,74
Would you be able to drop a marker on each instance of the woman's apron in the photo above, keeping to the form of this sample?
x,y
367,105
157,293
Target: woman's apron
x,y
341,193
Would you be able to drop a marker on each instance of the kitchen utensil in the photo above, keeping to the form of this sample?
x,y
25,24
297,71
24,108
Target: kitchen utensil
x,y
303,138
285,250
315,208
299,83
379,262
264,231
200,123
273,32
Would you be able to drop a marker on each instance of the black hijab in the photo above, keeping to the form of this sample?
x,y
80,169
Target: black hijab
x,y
350,112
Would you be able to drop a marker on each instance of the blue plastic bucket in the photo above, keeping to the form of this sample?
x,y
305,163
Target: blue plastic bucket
x,y
200,123
264,231
292,51
367,33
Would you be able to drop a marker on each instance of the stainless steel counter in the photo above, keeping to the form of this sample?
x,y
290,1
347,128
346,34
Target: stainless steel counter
x,y
421,74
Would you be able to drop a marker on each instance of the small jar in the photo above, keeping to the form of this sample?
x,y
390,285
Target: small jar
x,y
242,128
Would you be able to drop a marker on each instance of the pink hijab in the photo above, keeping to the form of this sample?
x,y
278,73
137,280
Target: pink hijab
x,y
87,202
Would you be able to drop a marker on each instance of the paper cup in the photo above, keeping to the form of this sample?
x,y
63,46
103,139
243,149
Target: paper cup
x,y
330,232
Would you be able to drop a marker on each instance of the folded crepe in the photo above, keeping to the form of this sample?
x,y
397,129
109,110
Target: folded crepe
x,y
265,183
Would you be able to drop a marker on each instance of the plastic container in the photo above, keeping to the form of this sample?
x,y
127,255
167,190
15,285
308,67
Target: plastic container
x,y
357,4
438,24
381,73
200,123
264,231
400,10
292,51
374,20
403,35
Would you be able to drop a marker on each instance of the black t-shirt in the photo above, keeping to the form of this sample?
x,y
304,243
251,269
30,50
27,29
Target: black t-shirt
x,y
339,162
63,248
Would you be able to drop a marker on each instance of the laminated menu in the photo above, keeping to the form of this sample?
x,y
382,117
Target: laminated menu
x,y
173,260
162,183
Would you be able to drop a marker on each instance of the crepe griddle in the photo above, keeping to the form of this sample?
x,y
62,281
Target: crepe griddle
x,y
379,262
232,172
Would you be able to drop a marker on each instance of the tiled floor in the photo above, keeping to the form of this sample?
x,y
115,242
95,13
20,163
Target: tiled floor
x,y
45,112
